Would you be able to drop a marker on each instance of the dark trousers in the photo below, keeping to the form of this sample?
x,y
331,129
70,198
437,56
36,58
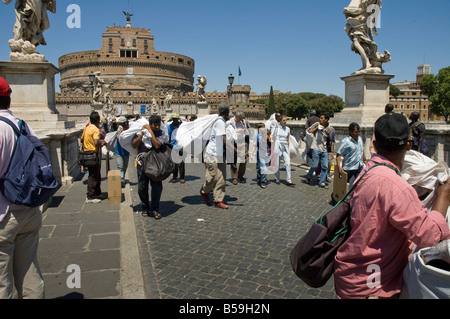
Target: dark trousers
x,y
157,187
179,168
94,181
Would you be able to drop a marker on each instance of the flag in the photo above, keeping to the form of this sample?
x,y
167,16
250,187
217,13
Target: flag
x,y
240,72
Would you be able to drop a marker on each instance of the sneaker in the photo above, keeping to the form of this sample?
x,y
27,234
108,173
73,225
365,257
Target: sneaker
x,y
92,201
206,198
263,186
220,205
100,197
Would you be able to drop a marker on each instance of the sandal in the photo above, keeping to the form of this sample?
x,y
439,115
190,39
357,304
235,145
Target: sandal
x,y
156,215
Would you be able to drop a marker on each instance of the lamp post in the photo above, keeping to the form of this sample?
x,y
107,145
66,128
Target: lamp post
x,y
231,81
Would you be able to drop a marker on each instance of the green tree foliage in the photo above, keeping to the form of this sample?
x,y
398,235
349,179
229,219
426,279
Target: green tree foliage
x,y
299,105
395,91
437,87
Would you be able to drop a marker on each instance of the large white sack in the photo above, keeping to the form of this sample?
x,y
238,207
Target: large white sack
x,y
194,135
424,281
127,136
425,175
293,147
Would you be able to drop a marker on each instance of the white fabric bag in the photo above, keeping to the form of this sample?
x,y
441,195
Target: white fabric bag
x,y
194,135
420,279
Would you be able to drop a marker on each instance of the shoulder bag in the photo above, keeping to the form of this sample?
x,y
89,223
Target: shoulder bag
x,y
312,259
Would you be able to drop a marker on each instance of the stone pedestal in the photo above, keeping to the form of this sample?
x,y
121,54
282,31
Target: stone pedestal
x,y
203,109
366,96
33,94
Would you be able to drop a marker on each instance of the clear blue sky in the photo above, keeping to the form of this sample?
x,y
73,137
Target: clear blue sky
x,y
292,45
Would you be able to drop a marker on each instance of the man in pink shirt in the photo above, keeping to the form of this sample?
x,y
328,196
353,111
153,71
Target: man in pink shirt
x,y
387,217
20,276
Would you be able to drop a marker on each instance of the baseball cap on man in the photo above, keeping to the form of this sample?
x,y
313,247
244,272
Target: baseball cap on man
x,y
5,89
392,126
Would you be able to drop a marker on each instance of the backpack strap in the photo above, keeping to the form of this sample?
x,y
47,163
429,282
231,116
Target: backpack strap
x,y
359,179
14,127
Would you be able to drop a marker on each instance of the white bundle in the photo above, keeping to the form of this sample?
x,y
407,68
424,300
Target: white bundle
x,y
194,135
425,175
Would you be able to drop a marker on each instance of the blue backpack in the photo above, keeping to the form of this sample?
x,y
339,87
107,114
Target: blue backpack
x,y
29,180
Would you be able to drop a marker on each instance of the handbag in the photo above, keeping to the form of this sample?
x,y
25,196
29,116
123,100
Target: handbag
x,y
88,158
157,164
312,258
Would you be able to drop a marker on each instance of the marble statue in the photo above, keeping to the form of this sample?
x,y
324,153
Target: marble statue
x,y
168,101
361,28
201,85
98,90
31,22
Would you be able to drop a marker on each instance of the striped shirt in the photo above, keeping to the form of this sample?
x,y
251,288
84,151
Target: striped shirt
x,y
352,153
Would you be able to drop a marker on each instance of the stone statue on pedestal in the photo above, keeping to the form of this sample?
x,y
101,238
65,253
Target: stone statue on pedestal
x,y
98,90
201,85
31,22
361,26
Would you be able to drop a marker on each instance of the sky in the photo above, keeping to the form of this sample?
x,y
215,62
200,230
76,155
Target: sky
x,y
292,45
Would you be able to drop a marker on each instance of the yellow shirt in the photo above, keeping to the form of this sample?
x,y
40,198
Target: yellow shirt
x,y
90,134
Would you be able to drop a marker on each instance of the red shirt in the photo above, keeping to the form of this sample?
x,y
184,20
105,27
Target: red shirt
x,y
387,217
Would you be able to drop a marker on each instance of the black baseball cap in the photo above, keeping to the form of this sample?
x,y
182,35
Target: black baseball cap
x,y
392,126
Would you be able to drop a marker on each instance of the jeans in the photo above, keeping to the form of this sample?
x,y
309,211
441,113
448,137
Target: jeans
x,y
322,158
157,188
261,169
122,164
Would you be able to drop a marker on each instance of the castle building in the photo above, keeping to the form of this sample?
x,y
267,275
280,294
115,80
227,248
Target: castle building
x,y
137,79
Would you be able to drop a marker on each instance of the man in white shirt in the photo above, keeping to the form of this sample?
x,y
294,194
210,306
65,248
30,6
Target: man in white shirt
x,y
20,276
214,160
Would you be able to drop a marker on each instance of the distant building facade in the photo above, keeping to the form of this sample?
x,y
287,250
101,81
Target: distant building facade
x,y
411,98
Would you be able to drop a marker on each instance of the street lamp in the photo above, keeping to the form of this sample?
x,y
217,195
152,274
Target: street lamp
x,y
231,81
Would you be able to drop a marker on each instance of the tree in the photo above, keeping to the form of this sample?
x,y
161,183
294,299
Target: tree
x,y
395,91
271,106
438,90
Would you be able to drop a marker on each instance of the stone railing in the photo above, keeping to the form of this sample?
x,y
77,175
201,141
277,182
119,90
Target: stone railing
x,y
437,136
63,146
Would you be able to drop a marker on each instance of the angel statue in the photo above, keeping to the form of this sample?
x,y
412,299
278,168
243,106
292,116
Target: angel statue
x,y
31,22
361,28
201,85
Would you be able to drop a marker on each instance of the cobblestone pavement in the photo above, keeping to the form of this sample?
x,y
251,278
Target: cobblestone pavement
x,y
198,251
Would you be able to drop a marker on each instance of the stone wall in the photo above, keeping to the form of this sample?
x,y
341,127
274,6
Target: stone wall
x,y
63,146
437,136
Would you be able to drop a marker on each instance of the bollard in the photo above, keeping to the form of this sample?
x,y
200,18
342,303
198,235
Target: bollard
x,y
114,187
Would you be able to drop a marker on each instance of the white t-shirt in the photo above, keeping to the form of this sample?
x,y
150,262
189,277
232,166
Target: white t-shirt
x,y
215,145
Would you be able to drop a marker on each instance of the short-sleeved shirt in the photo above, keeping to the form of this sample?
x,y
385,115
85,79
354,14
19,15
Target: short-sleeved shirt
x,y
90,134
119,149
215,145
387,215
352,153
